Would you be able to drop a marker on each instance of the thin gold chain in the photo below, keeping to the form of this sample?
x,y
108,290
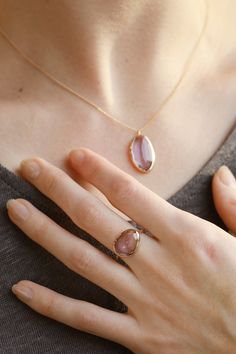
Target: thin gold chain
x,y
67,88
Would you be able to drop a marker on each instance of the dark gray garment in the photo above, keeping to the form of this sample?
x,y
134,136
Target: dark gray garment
x,y
23,330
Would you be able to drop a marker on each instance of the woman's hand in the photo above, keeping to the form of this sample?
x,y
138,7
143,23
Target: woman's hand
x,y
179,286
224,195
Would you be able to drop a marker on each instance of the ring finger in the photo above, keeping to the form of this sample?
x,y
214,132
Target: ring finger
x,y
75,253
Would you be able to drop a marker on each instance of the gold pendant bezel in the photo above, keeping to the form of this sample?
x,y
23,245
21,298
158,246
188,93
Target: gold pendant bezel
x,y
138,168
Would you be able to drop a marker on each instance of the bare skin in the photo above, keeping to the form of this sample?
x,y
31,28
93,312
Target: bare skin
x,y
203,109
170,308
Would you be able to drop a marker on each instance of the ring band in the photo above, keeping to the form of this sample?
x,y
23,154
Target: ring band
x,y
127,242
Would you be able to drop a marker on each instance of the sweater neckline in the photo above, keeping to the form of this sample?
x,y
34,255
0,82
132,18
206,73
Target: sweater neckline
x,y
21,186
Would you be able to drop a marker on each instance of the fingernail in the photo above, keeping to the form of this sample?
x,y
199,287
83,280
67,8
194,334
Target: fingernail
x,y
226,176
18,211
76,157
30,168
22,292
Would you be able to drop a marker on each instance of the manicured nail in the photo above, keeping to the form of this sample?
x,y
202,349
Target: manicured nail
x,y
30,168
76,157
226,176
18,211
22,292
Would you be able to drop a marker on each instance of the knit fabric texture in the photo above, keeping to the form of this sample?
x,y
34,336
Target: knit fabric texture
x,y
24,331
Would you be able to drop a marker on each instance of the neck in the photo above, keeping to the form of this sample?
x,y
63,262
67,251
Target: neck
x,y
114,52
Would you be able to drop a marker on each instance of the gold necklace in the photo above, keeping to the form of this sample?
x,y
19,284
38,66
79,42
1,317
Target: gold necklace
x,y
141,151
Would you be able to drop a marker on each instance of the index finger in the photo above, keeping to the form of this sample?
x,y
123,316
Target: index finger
x,y
126,194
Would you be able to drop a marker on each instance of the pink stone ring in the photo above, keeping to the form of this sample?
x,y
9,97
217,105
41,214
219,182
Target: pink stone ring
x,y
127,242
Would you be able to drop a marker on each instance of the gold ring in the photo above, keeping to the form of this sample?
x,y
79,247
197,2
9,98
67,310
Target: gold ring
x,y
127,242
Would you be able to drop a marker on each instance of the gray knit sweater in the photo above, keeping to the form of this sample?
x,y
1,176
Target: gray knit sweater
x,y
24,331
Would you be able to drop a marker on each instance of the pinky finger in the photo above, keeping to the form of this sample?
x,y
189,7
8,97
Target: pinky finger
x,y
81,315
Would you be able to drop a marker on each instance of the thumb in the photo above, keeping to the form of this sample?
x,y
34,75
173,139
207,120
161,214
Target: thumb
x,y
224,196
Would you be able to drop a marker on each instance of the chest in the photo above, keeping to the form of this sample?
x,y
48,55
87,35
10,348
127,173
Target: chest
x,y
184,140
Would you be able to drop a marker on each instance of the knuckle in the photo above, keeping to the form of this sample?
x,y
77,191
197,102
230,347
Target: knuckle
x,y
40,228
187,221
210,249
232,199
53,182
81,260
207,246
49,307
123,188
87,214
91,165
187,230
198,239
89,321
182,224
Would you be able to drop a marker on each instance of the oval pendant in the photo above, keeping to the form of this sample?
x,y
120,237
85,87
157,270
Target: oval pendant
x,y
142,153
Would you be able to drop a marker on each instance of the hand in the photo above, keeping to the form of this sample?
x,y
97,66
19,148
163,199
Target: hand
x,y
179,286
224,195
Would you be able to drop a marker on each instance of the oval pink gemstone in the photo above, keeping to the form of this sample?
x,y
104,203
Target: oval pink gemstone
x,y
127,242
142,153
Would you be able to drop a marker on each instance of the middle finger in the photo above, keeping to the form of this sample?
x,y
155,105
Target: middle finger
x,y
85,210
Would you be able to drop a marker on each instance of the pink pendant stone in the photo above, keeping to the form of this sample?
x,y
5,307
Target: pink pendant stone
x,y
142,153
127,242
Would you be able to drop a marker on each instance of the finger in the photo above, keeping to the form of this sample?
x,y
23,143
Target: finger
x,y
224,195
75,253
78,314
127,194
85,210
